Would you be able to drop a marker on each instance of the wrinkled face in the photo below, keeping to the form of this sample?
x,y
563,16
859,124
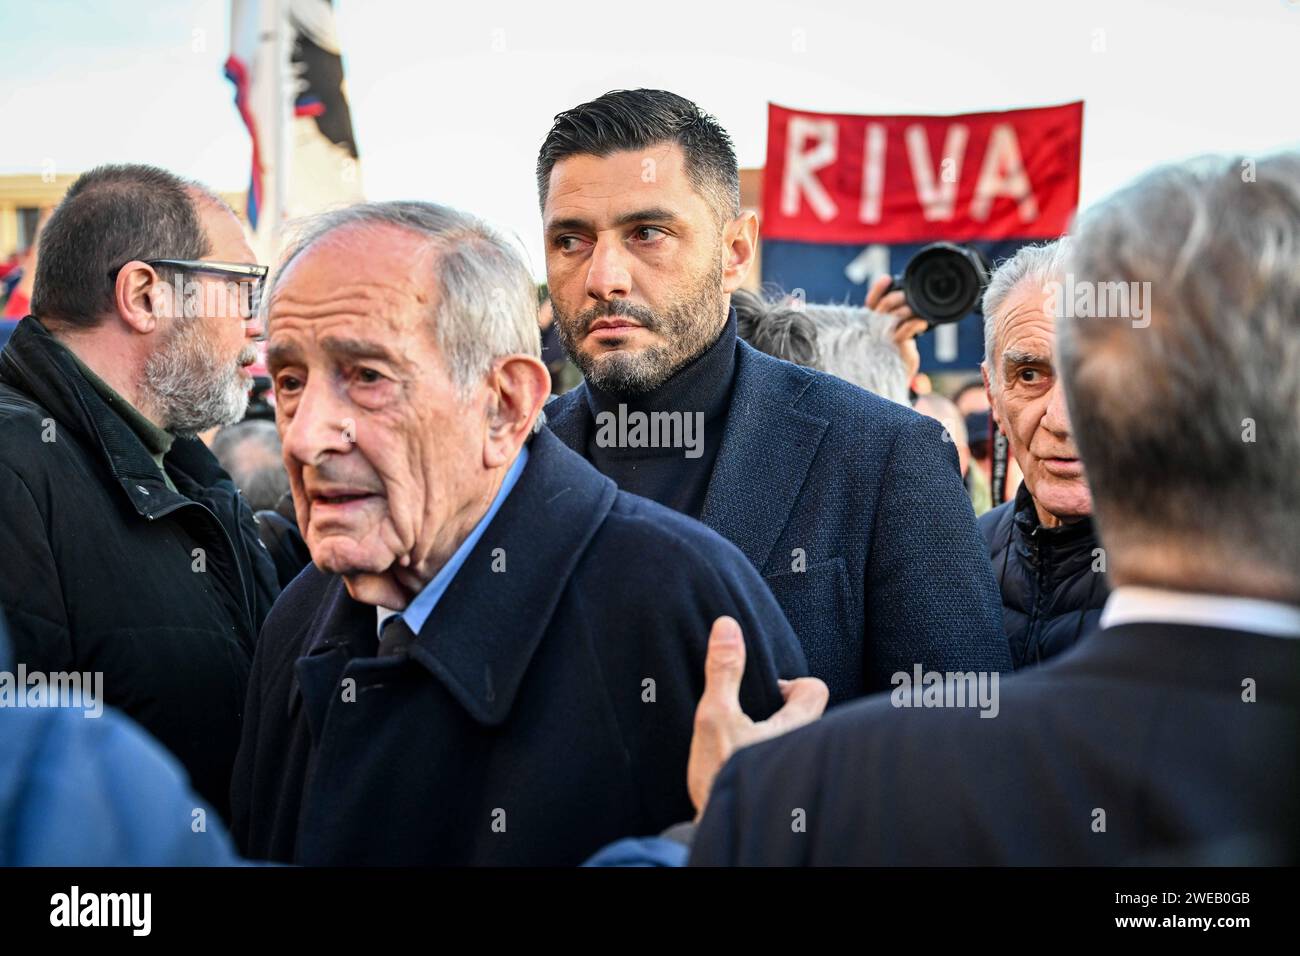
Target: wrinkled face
x,y
385,460
198,375
1028,404
634,264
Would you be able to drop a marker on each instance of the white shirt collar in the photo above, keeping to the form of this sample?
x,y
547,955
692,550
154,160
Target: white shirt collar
x,y
1131,604
383,614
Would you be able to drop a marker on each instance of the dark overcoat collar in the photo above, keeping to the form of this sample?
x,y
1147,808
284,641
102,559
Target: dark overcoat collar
x,y
767,449
37,364
481,637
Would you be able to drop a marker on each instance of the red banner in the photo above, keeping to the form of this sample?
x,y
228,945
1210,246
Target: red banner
x,y
835,177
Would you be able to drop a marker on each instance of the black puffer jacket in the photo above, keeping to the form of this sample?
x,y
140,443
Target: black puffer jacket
x,y
107,569
1050,594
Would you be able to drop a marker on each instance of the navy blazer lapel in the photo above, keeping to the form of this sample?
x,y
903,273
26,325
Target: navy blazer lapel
x,y
341,628
767,449
481,637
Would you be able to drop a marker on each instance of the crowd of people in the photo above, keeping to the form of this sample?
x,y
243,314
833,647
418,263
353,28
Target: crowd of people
x,y
666,571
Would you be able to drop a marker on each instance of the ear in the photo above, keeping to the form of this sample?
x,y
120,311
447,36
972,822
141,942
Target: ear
x,y
740,237
138,296
518,387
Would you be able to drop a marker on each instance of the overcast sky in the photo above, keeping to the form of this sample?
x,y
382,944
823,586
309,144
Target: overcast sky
x,y
450,101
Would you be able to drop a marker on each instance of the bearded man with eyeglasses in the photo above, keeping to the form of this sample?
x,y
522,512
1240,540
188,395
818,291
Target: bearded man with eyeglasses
x,y
128,552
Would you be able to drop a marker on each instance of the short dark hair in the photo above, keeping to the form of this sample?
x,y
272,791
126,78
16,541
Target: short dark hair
x,y
635,119
109,216
776,328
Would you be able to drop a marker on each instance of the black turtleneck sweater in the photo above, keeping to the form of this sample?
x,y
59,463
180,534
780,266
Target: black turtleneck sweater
x,y
666,474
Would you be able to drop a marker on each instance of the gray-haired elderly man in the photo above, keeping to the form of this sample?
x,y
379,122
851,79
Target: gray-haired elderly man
x,y
1050,568
495,656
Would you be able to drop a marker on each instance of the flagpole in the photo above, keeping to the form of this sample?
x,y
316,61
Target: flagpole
x,y
283,122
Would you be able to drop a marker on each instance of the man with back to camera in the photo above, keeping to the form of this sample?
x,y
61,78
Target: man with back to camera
x,y
1169,735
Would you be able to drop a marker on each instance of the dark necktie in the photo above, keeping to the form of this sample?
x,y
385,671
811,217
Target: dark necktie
x,y
394,637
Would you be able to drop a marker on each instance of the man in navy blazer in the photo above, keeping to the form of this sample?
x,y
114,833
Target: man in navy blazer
x,y
850,506
495,655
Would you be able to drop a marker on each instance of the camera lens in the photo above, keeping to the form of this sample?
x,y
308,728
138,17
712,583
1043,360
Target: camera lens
x,y
944,282
942,286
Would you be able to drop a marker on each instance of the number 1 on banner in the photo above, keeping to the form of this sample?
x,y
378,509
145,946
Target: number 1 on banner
x,y
871,261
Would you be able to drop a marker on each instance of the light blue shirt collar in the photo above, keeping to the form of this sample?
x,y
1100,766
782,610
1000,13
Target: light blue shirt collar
x,y
418,611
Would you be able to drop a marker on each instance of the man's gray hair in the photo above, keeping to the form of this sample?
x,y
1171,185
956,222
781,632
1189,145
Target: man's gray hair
x,y
484,298
1038,265
849,342
857,345
1189,422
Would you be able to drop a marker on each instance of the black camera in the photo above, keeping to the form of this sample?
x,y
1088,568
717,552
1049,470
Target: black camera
x,y
944,282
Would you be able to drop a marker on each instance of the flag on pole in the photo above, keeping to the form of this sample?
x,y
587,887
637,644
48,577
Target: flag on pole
x,y
287,69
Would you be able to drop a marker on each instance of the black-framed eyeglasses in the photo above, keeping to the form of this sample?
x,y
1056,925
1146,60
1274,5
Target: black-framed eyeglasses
x,y
249,269
251,277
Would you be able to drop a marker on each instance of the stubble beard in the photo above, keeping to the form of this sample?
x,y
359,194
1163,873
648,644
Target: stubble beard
x,y
190,391
686,329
